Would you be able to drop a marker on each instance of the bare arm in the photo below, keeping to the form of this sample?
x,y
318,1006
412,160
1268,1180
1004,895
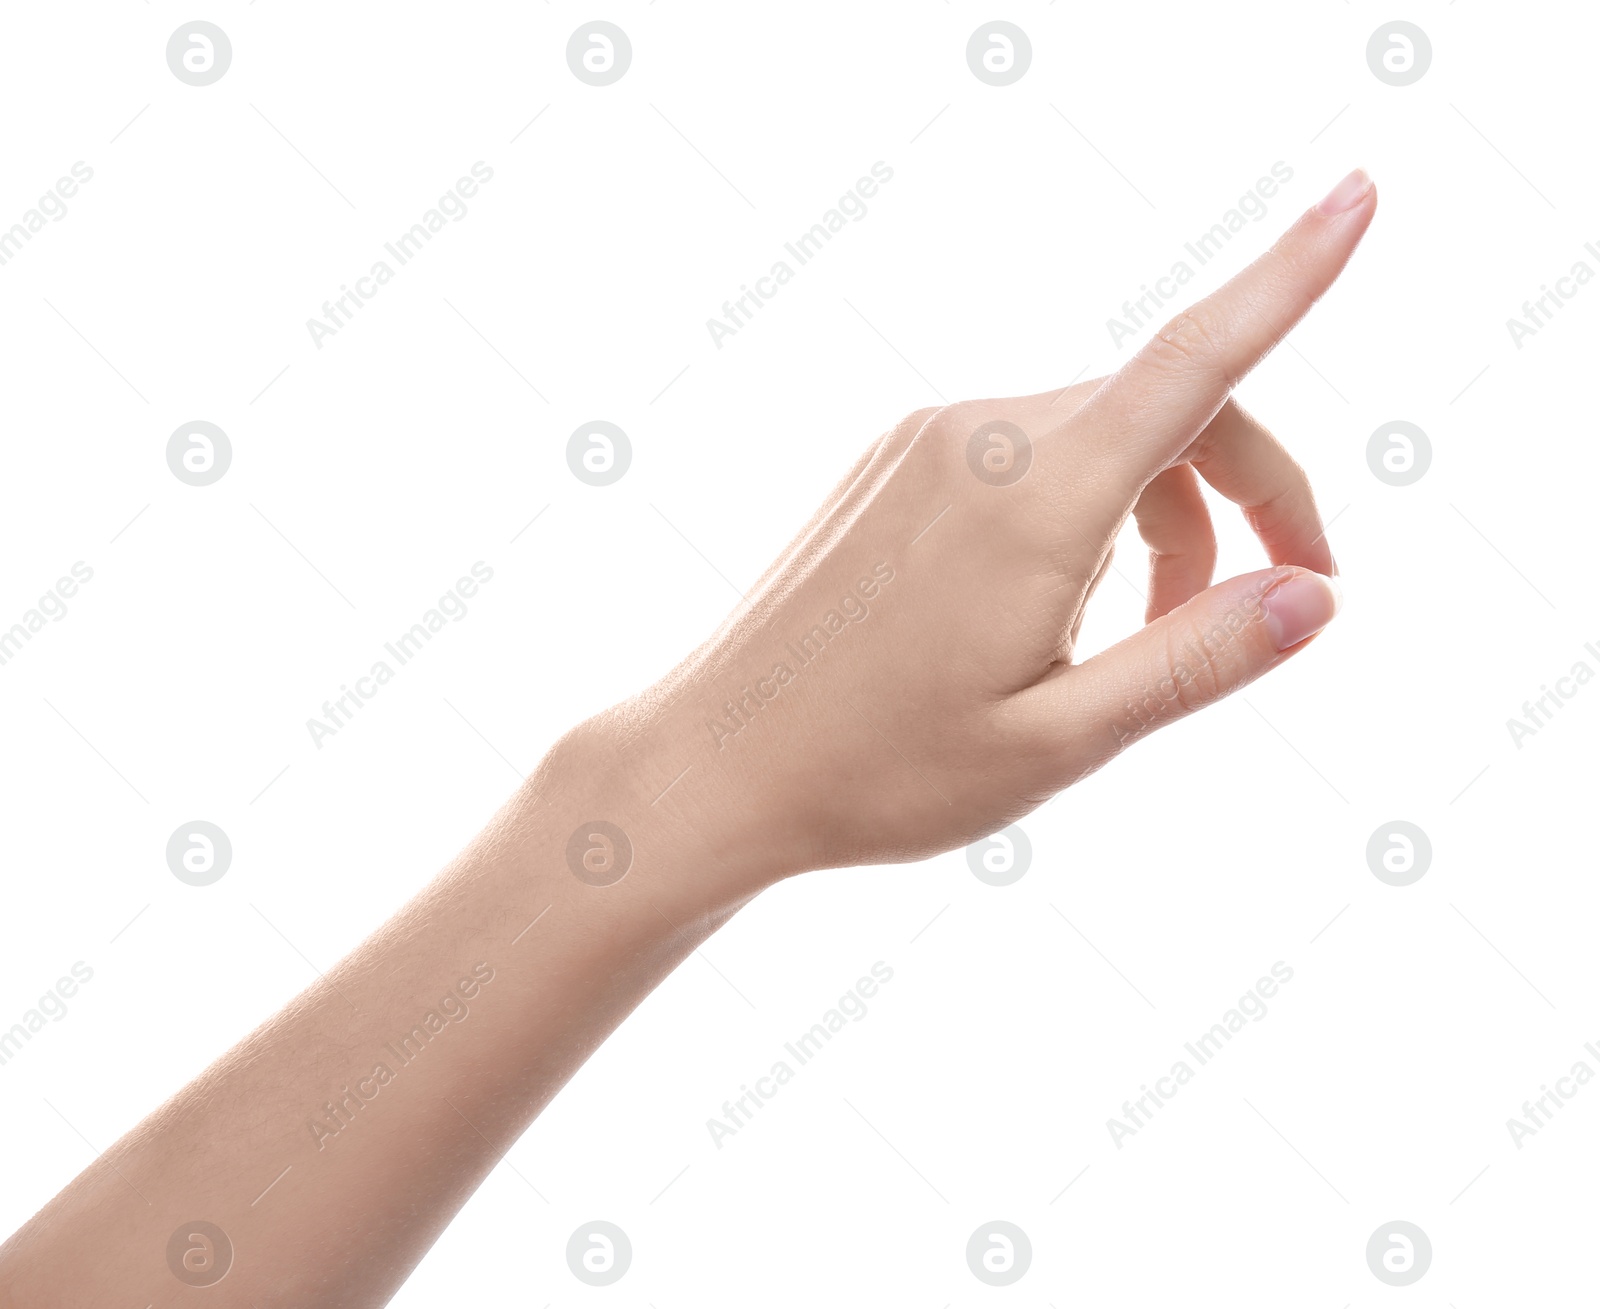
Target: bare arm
x,y
391,1088
901,682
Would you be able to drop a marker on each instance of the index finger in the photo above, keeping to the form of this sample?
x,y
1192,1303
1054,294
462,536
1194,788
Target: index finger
x,y
1162,398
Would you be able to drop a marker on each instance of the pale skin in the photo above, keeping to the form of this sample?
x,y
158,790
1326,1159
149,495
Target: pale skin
x,y
945,705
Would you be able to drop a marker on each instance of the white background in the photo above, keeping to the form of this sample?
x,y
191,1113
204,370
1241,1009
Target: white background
x,y
428,433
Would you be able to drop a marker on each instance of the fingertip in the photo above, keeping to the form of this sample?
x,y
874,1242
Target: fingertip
x,y
1299,607
1348,192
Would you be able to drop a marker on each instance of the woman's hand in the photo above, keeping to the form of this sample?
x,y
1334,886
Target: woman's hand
x,y
901,681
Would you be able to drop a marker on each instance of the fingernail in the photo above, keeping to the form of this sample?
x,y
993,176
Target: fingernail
x,y
1345,193
1301,607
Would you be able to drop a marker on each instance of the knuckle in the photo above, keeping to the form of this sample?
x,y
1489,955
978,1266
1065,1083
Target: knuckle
x,y
1283,503
1069,399
1195,679
914,423
992,440
953,422
971,444
1273,514
949,428
1192,340
1201,657
901,436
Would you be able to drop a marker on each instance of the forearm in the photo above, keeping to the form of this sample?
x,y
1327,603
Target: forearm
x,y
389,1089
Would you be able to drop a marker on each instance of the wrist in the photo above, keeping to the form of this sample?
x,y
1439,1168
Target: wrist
x,y
612,809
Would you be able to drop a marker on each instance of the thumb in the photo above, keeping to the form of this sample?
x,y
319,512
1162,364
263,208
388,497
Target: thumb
x,y
1222,639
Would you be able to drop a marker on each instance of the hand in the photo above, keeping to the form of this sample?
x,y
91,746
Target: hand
x,y
901,681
